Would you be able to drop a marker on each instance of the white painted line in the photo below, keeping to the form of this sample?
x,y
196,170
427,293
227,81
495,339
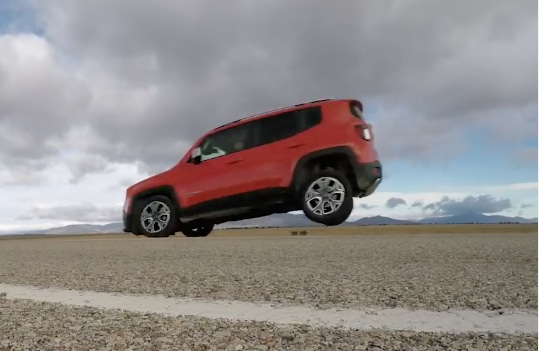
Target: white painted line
x,y
393,319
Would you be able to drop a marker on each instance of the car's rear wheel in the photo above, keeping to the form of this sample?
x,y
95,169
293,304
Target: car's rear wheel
x,y
155,217
197,230
327,197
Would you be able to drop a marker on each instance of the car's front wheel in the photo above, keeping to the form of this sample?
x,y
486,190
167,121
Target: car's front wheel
x,y
327,197
155,217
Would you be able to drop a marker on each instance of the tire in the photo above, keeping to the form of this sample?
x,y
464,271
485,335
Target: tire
x,y
196,231
161,228
341,196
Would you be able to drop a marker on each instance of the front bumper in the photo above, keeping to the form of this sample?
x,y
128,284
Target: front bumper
x,y
368,177
127,222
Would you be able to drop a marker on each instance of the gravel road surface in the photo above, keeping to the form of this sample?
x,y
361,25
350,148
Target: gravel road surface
x,y
26,325
433,272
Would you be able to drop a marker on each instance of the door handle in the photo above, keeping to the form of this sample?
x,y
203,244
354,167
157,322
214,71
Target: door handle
x,y
293,146
234,161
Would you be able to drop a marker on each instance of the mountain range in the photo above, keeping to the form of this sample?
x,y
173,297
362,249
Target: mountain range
x,y
297,220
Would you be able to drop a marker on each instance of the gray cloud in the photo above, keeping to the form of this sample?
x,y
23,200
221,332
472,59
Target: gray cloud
x,y
144,88
366,207
86,164
78,212
471,204
394,202
429,207
417,203
29,173
39,101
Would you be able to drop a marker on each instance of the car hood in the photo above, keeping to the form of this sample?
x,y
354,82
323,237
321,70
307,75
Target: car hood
x,y
148,182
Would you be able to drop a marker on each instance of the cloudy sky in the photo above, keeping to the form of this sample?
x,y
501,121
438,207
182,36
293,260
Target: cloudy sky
x,y
95,95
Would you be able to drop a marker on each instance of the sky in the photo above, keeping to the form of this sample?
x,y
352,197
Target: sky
x,y
97,95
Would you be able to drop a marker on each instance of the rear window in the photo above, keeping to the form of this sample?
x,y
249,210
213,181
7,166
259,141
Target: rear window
x,y
356,108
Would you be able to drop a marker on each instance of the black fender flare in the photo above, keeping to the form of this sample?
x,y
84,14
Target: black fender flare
x,y
304,160
166,190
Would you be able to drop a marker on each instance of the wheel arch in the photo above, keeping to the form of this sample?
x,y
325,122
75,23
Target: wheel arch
x,y
339,158
164,190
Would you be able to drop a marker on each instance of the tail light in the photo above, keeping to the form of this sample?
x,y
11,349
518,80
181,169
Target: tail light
x,y
364,131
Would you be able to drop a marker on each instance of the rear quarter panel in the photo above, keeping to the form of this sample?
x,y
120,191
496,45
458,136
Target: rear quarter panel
x,y
337,129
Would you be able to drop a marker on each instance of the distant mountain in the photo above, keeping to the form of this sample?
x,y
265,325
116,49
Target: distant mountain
x,y
299,220
115,227
296,220
380,220
465,218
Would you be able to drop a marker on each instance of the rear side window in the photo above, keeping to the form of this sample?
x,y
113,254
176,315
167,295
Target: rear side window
x,y
278,127
286,125
310,117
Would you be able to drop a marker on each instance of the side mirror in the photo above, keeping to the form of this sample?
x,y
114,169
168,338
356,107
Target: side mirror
x,y
196,155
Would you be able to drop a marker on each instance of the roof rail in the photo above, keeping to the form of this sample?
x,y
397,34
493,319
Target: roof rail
x,y
312,102
286,107
274,110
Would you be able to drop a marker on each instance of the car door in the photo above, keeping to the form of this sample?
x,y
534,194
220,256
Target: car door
x,y
282,139
224,171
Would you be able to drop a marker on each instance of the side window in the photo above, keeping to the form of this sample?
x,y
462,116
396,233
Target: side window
x,y
286,125
259,132
310,117
278,127
226,142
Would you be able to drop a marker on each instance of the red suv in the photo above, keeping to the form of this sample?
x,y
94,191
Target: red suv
x,y
315,157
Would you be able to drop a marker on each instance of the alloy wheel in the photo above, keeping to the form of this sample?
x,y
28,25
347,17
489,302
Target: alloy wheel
x,y
325,196
155,217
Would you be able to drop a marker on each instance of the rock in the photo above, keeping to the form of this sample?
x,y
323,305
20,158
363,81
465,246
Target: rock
x,y
288,336
5,343
164,339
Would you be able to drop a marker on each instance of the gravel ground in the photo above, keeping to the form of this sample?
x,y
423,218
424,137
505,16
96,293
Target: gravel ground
x,y
27,325
434,272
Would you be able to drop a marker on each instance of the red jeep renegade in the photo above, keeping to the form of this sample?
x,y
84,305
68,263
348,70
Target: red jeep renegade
x,y
313,157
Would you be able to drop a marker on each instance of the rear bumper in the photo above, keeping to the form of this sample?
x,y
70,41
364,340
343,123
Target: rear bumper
x,y
127,222
368,177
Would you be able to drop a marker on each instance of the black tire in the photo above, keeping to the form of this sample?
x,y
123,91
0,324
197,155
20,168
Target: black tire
x,y
342,213
198,230
168,229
